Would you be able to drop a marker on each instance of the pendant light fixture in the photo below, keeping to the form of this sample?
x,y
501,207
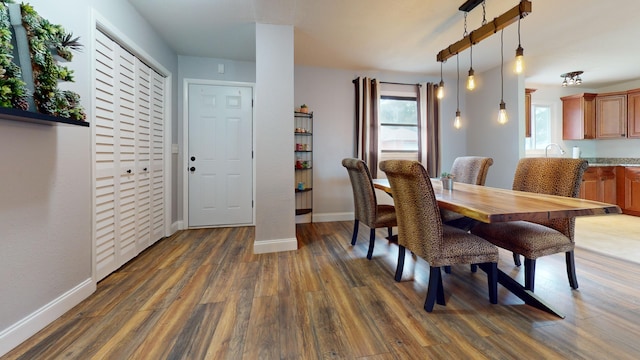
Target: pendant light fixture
x,y
471,80
440,90
502,113
519,51
457,122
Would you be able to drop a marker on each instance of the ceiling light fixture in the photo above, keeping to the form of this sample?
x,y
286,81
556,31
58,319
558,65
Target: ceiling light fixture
x,y
486,30
440,90
457,122
519,52
502,113
571,78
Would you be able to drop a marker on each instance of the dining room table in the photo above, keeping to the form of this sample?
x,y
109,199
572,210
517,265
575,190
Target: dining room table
x,y
491,205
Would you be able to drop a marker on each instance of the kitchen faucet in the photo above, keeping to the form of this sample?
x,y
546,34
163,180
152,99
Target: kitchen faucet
x,y
547,148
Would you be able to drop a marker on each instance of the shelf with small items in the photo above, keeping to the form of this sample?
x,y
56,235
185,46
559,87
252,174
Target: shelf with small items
x,y
303,151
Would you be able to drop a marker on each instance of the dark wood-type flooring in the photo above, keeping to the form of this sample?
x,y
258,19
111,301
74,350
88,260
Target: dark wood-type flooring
x,y
203,294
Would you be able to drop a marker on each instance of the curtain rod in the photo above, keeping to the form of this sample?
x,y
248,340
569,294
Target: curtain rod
x,y
387,82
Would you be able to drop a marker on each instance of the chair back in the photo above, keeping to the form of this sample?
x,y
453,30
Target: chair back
x,y
552,176
364,195
471,169
419,222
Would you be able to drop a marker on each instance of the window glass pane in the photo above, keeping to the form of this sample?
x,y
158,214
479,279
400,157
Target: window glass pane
x,y
398,111
403,138
542,119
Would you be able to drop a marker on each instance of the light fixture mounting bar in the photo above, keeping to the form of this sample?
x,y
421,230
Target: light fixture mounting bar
x,y
470,5
483,32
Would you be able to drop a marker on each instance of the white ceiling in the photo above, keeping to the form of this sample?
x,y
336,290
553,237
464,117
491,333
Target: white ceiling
x,y
596,36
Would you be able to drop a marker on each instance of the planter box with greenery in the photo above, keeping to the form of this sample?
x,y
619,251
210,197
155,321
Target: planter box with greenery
x,y
40,45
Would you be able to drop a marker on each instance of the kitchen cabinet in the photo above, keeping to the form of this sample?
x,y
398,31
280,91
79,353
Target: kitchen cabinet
x,y
599,184
578,116
611,115
631,204
633,114
527,111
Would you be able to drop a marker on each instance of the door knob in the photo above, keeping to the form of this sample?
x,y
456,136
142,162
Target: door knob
x,y
145,169
193,158
193,168
129,171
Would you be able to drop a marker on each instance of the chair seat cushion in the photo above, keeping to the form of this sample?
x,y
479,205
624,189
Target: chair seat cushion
x,y
386,216
461,247
522,237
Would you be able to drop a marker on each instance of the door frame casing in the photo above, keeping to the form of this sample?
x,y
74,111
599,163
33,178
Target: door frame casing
x,y
184,159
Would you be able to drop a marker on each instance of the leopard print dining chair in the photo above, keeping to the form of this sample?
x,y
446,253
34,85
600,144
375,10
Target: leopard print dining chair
x,y
420,230
468,170
553,176
366,207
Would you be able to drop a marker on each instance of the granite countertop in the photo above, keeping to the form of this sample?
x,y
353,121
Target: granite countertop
x,y
613,161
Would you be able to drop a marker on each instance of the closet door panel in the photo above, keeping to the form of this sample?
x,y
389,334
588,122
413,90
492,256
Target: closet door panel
x,y
106,154
143,155
157,157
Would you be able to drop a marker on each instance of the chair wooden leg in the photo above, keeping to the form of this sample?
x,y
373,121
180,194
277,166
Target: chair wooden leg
x,y
390,232
354,237
447,269
372,242
492,280
571,269
529,273
400,266
516,259
435,291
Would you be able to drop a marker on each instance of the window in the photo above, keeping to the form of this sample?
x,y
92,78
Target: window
x,y
398,124
540,128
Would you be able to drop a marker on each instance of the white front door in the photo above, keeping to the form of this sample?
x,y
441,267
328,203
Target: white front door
x,y
220,155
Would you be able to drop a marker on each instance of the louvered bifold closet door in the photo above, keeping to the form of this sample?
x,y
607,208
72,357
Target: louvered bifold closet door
x,y
129,156
157,157
126,219
143,154
106,156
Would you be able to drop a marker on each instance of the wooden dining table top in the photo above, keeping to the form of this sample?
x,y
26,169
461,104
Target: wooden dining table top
x,y
490,205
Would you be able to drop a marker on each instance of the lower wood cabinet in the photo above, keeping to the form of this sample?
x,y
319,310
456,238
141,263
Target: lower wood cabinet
x,y
631,194
599,184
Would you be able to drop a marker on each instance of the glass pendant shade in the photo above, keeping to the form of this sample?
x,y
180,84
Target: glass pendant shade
x,y
471,81
457,123
440,90
519,60
502,114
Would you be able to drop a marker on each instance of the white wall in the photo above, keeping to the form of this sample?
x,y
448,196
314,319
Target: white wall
x,y
486,137
45,187
273,123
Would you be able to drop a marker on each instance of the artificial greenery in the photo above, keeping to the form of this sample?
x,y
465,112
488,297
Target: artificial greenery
x,y
45,39
13,91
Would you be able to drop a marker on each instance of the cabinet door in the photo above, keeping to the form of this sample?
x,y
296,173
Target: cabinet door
x,y
633,114
611,116
578,117
607,182
632,189
589,186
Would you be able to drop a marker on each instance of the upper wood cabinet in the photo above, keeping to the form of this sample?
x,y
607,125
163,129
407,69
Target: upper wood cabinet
x,y
527,111
611,115
633,114
578,116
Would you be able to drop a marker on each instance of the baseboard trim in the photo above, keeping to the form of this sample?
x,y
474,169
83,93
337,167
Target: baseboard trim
x,y
175,227
329,217
270,246
17,333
